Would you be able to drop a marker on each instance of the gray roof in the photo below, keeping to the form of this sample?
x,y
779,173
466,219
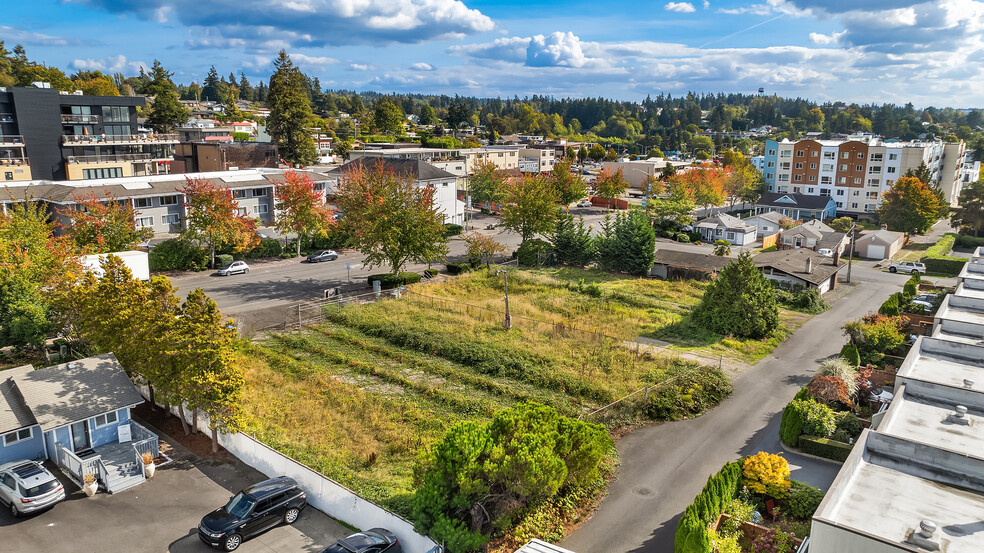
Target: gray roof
x,y
725,220
538,546
831,240
883,236
793,263
691,260
802,201
77,390
419,170
14,413
773,216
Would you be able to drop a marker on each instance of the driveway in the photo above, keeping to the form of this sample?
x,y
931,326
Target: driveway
x,y
160,516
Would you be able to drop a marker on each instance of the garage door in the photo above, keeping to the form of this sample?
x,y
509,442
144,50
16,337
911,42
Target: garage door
x,y
876,252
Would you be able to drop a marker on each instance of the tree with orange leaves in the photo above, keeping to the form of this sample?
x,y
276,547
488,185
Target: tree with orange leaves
x,y
610,185
104,226
704,184
391,219
213,219
301,208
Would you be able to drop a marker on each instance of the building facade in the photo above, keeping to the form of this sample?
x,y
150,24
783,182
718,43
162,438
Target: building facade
x,y
858,172
47,134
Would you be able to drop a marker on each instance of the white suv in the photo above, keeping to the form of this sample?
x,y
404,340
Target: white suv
x,y
26,487
906,267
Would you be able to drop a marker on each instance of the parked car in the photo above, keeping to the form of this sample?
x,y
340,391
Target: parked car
x,y
376,540
253,511
323,255
28,487
906,267
234,267
826,252
584,203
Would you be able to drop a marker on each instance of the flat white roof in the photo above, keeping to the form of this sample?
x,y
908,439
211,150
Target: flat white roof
x,y
926,422
944,362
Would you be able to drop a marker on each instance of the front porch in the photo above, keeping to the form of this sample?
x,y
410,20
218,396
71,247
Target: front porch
x,y
117,466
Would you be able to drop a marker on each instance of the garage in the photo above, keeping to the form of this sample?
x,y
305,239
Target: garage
x,y
876,252
879,244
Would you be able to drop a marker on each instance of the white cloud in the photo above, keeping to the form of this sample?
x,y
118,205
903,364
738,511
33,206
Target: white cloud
x,y
682,7
421,66
358,67
160,14
555,50
17,36
820,38
112,64
706,4
752,9
511,49
312,62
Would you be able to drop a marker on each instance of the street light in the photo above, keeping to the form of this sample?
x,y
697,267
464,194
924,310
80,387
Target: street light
x,y
851,259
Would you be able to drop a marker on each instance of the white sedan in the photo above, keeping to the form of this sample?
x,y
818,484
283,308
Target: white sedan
x,y
584,203
233,268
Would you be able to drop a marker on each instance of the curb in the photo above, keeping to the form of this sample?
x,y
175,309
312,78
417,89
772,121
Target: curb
x,y
787,449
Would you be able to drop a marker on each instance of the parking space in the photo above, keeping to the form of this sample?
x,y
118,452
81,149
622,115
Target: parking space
x,y
161,515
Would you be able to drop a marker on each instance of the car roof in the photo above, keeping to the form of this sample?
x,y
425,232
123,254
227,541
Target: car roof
x,y
28,472
269,487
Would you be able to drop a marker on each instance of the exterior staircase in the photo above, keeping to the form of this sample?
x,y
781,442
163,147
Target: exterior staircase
x,y
123,475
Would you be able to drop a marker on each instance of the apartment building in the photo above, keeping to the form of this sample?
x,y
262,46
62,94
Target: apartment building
x,y
458,161
536,160
857,172
52,135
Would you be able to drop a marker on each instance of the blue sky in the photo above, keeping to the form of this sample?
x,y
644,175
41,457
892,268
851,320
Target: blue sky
x,y
929,53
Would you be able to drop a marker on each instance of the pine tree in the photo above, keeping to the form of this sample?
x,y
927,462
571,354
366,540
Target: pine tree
x,y
740,302
245,89
572,242
210,88
167,112
290,113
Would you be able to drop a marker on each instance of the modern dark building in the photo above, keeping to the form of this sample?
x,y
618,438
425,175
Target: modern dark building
x,y
194,157
49,134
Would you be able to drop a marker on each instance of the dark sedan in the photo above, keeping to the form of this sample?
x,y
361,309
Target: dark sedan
x,y
253,511
376,540
323,255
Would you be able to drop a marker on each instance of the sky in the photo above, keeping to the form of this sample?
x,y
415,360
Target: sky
x,y
898,51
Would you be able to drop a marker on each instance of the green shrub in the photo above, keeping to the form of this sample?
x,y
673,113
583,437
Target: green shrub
x,y
804,393
803,500
791,424
910,290
891,306
943,247
223,258
455,536
288,254
740,302
268,247
452,229
818,419
178,255
691,532
949,266
389,280
529,252
681,237
431,272
850,354
850,424
970,241
822,447
690,394
693,236
458,267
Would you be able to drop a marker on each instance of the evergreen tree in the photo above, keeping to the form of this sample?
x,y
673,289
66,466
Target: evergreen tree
x,y
290,113
627,244
572,241
969,217
245,89
167,112
740,302
210,88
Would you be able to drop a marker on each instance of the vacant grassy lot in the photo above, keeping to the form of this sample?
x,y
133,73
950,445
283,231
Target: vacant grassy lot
x,y
360,396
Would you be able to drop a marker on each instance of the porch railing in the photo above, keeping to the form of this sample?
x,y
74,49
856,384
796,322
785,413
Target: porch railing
x,y
76,467
144,441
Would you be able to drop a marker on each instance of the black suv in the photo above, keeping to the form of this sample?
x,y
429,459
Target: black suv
x,y
377,540
253,511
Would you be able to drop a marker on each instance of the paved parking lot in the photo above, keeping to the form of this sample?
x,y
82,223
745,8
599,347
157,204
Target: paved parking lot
x,y
160,515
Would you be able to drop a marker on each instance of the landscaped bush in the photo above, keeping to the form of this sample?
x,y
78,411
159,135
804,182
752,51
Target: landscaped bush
x,y
268,247
850,424
876,335
740,302
970,241
389,280
803,500
692,530
766,474
830,390
805,416
431,272
530,252
943,247
791,424
775,541
850,354
222,258
890,308
808,300
458,267
452,229
841,369
937,260
689,395
693,236
822,447
178,255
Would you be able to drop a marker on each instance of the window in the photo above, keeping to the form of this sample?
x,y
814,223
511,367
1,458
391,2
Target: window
x,y
829,155
856,193
874,182
876,157
240,211
8,175
784,166
890,170
841,180
500,154
842,167
827,167
18,436
840,192
116,130
170,219
145,221
784,178
262,208
798,178
731,236
259,192
143,202
892,157
874,169
813,166
772,152
857,180
872,195
238,194
799,153
115,114
796,190
786,153
770,175
81,110
105,419
104,173
810,190
854,206
860,155
845,155
840,205
771,164
169,200
859,168
799,164
824,191
814,153
813,178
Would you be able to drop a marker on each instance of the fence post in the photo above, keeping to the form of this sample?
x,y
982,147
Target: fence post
x,y
720,361
645,397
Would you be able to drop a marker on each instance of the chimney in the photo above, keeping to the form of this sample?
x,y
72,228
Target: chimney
x,y
809,265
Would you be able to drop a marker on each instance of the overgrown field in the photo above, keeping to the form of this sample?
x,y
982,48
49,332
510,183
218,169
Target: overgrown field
x,y
362,395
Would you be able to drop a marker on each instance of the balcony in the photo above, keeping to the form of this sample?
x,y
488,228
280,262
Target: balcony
x,y
11,141
109,140
17,162
109,158
72,118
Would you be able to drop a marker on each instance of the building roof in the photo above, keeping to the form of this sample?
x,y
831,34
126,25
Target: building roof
x,y
691,260
725,220
538,546
76,390
883,236
417,169
14,413
831,240
772,216
793,263
801,201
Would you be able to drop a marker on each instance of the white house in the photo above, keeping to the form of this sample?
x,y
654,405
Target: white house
x,y
766,224
726,227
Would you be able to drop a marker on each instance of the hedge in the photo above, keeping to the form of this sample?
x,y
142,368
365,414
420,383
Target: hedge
x,y
222,258
943,247
803,500
452,229
389,280
822,447
178,255
937,258
458,267
691,532
970,241
850,354
268,247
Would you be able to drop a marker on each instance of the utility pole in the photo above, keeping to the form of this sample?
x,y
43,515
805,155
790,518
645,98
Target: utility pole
x,y
851,259
507,322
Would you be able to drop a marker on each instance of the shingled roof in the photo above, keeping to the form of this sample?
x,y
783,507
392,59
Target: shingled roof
x,y
691,260
801,201
14,413
793,263
415,168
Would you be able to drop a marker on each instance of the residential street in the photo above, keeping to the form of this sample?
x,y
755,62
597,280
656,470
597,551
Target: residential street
x,y
665,466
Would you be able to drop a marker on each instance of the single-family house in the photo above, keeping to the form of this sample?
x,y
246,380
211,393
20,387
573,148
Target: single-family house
x,y
879,244
797,206
806,235
800,268
677,265
766,223
78,415
726,227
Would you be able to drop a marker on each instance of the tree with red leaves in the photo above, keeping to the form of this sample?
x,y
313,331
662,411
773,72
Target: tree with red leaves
x,y
213,219
104,226
392,219
829,390
704,184
301,208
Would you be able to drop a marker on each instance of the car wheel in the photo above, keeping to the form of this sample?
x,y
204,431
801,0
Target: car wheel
x,y
893,270
291,515
232,542
13,511
245,271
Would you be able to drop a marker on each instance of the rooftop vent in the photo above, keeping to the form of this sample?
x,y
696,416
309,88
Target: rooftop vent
x,y
968,383
959,416
923,536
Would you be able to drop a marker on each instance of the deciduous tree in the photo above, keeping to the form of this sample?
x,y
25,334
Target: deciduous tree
x,y
212,217
391,219
969,217
677,206
910,206
301,209
487,184
388,117
704,184
531,206
610,185
569,184
482,248
104,226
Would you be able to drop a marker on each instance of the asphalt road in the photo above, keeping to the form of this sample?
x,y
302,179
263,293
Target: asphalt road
x,y
664,467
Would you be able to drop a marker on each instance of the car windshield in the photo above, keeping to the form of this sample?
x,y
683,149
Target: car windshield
x,y
239,505
40,489
227,265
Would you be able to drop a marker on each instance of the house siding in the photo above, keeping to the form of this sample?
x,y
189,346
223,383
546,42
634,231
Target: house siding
x,y
59,435
27,449
107,434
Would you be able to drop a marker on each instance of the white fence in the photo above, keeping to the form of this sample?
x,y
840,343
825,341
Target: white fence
x,y
323,493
